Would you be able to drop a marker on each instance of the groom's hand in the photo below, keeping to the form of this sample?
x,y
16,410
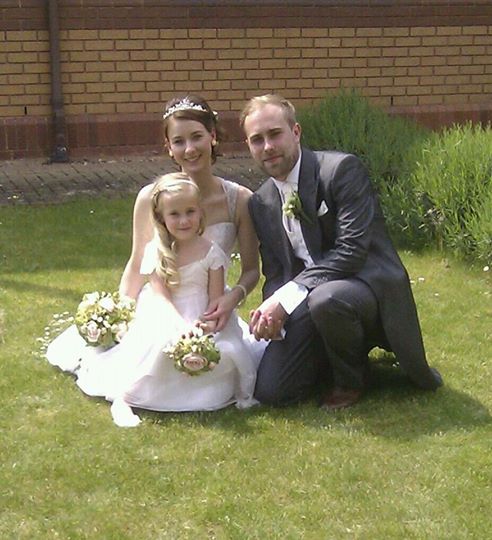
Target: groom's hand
x,y
267,321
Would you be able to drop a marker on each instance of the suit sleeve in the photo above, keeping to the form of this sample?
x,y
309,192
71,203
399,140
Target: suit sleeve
x,y
271,267
354,203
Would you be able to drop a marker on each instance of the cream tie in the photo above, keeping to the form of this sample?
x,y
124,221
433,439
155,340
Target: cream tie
x,y
287,221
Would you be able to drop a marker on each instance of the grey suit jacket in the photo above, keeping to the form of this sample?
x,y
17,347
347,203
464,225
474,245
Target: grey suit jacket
x,y
348,240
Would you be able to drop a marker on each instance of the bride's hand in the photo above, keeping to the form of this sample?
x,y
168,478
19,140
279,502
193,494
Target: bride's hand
x,y
220,309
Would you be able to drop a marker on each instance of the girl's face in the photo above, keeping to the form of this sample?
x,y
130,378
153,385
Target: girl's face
x,y
190,143
181,213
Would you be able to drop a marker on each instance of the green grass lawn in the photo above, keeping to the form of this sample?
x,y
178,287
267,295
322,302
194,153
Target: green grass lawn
x,y
401,464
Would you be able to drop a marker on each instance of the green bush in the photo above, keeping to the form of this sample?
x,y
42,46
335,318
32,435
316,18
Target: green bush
x,y
348,122
403,213
453,179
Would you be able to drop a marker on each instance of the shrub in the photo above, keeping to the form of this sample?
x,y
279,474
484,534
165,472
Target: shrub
x,y
403,213
453,179
348,122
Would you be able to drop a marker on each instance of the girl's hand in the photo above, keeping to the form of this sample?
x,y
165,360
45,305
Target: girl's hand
x,y
207,327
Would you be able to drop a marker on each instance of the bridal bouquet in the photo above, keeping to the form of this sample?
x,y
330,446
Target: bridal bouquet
x,y
103,318
194,353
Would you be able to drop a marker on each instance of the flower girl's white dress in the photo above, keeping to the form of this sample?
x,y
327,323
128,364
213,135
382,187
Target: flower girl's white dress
x,y
138,370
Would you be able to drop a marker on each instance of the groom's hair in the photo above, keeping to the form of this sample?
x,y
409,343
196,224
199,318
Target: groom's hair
x,y
259,102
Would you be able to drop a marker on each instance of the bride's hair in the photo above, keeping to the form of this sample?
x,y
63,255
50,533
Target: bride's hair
x,y
171,184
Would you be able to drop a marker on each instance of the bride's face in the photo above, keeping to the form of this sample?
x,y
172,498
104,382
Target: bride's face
x,y
190,144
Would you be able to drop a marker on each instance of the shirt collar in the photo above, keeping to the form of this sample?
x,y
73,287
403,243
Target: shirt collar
x,y
292,178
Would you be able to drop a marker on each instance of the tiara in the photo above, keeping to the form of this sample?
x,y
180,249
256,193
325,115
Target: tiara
x,y
183,105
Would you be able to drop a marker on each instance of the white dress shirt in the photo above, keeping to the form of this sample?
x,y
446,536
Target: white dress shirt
x,y
291,294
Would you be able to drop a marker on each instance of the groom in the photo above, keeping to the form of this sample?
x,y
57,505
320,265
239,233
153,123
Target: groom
x,y
334,284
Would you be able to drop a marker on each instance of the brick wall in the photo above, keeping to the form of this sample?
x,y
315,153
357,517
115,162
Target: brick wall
x,y
122,59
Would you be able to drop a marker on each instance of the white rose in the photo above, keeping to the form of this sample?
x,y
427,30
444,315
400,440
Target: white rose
x,y
93,332
126,302
91,298
84,305
194,362
107,303
119,330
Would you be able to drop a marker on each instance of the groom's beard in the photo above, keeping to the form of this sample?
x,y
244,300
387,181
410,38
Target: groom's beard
x,y
281,163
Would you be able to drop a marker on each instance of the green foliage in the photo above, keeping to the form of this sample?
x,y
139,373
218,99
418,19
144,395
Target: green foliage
x,y
453,178
348,122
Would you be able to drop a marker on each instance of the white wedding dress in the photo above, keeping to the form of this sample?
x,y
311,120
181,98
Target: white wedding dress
x,y
139,372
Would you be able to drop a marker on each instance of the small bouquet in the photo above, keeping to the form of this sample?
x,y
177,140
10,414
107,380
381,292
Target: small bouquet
x,y
194,353
103,318
292,208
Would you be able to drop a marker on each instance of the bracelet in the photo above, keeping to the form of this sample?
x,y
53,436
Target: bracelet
x,y
243,290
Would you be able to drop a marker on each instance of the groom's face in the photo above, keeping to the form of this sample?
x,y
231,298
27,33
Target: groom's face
x,y
273,143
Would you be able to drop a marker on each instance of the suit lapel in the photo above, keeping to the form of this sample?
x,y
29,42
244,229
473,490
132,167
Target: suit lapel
x,y
308,190
272,212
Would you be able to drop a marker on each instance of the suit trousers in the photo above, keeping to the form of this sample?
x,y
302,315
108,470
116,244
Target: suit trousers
x,y
290,368
347,318
327,340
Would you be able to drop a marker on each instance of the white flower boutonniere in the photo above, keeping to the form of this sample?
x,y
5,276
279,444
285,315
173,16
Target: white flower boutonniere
x,y
292,208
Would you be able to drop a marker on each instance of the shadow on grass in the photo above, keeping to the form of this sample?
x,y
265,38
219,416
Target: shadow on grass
x,y
49,291
392,407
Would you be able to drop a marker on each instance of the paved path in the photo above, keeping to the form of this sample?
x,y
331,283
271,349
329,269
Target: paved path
x,y
35,181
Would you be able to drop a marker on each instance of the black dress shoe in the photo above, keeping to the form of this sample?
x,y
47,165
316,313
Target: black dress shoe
x,y
340,398
437,377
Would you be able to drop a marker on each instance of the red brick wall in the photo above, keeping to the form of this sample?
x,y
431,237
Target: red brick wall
x,y
122,59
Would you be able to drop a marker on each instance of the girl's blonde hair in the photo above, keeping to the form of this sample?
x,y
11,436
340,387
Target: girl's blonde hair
x,y
170,184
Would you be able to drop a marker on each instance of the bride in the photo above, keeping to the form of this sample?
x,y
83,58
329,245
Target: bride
x,y
191,135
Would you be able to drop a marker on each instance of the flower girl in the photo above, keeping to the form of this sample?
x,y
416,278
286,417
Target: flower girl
x,y
185,272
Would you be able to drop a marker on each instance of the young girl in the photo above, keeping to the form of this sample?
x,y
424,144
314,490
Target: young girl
x,y
185,272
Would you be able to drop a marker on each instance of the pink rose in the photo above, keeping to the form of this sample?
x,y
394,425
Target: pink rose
x,y
93,332
194,362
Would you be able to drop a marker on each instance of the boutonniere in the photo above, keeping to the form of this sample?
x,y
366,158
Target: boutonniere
x,y
293,208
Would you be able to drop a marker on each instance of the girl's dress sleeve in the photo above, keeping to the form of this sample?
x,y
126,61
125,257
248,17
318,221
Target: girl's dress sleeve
x,y
150,259
216,258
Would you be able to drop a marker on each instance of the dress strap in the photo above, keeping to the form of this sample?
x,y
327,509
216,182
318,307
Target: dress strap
x,y
231,191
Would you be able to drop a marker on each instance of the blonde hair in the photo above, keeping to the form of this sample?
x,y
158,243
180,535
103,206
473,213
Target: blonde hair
x,y
259,102
171,184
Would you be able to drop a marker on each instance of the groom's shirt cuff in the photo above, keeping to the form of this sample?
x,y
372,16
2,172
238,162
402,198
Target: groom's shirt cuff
x,y
290,296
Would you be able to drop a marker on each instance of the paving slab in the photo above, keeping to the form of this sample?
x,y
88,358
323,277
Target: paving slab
x,y
39,182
